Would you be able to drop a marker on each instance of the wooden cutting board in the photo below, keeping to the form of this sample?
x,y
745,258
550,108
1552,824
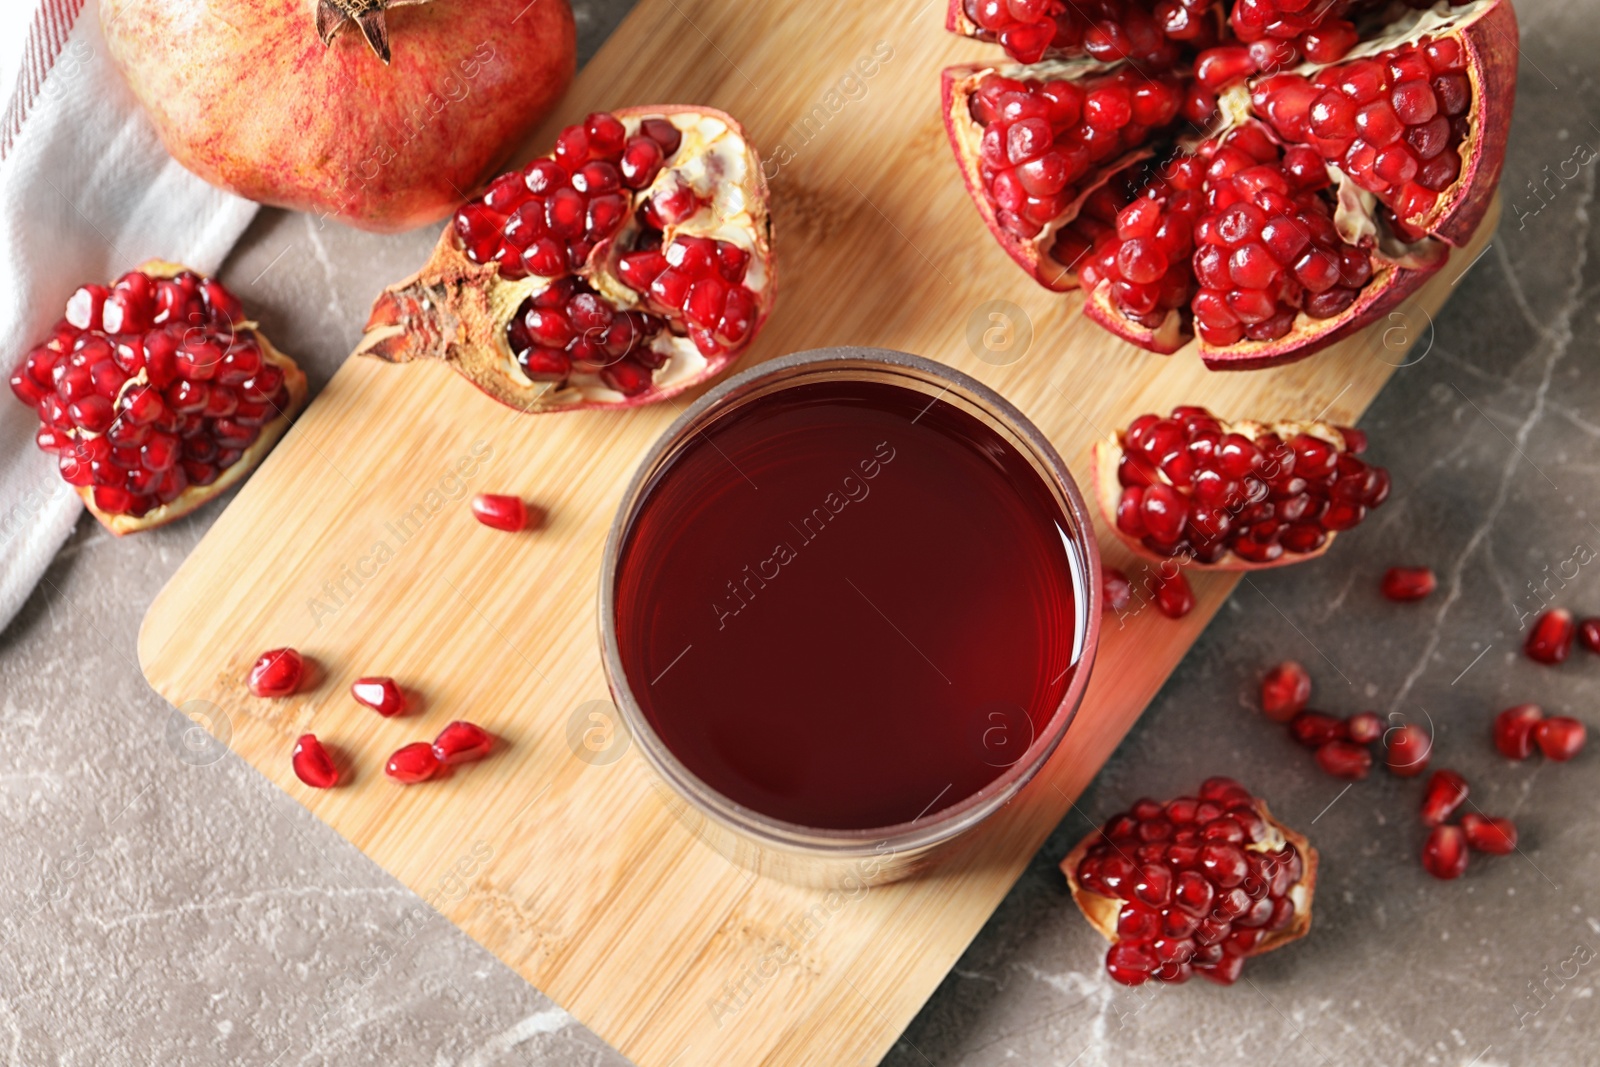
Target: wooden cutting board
x,y
561,853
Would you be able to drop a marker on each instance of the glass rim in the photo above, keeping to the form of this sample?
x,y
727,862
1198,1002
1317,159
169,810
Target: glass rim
x,y
932,827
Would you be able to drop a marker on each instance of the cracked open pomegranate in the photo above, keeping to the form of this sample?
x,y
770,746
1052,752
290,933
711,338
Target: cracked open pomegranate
x,y
155,394
632,262
1270,181
377,112
1195,885
1234,495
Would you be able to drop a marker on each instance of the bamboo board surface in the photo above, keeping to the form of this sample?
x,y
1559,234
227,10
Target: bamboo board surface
x,y
353,543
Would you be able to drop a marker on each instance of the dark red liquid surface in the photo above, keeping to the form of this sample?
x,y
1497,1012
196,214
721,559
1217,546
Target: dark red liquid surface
x,y
846,605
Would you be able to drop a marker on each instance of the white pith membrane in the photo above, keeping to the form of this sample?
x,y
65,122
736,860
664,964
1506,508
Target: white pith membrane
x,y
716,163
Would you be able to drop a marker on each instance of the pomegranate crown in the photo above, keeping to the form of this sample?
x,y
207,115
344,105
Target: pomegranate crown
x,y
368,15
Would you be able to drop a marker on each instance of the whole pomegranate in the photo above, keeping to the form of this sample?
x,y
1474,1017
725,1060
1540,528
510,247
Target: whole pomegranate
x,y
381,113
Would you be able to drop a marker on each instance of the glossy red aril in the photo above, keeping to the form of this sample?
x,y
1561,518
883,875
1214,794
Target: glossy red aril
x,y
1116,590
1285,689
1409,748
1408,583
1560,737
1174,597
1445,792
411,763
1490,834
1513,730
1234,496
1550,640
155,393
1344,759
1589,634
1364,727
507,513
312,764
462,742
277,673
630,263
380,694
1444,854
1313,729
1193,886
1105,30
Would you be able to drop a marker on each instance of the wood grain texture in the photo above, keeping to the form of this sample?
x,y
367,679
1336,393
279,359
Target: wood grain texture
x,y
354,544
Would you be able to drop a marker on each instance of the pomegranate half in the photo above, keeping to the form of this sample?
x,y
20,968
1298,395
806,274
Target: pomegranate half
x,y
1234,495
632,262
380,113
1269,182
156,394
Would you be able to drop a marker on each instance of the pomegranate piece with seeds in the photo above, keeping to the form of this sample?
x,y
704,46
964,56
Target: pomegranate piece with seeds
x,y
629,264
413,763
277,673
1193,886
1285,689
1234,495
155,394
1550,640
1258,186
1560,737
462,742
1446,791
381,694
1444,854
1513,730
507,513
1408,583
1489,833
312,764
1409,748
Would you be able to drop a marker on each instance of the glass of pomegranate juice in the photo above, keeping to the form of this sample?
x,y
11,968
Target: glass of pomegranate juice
x,y
848,608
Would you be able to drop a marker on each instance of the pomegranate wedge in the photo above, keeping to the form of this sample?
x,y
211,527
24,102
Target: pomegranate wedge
x,y
632,262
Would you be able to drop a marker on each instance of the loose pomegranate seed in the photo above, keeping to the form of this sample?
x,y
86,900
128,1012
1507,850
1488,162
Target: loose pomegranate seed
x,y
1559,737
501,512
1342,759
1116,590
1314,729
1409,749
1446,791
277,673
1408,583
1550,640
312,765
461,742
1589,634
1364,727
1173,596
1444,854
382,695
411,763
1285,690
1513,730
1486,834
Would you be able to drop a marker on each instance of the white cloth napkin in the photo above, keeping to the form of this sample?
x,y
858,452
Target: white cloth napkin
x,y
86,193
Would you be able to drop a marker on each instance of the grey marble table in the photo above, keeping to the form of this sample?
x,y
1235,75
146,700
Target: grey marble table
x,y
156,911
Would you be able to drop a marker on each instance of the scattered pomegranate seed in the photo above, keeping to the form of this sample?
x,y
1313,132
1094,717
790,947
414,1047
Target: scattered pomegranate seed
x,y
1550,640
1408,583
1560,737
277,673
1513,730
1285,690
312,765
507,513
1115,589
382,695
1446,791
1314,729
1444,855
1173,595
1589,634
415,762
1486,834
461,742
1342,759
1364,727
1409,749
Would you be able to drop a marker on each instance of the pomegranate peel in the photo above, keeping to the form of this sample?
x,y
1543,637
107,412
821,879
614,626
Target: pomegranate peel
x,y
473,301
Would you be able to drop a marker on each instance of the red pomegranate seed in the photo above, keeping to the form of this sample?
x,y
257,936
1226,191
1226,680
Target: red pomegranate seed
x,y
461,742
415,762
1116,590
1560,737
501,512
277,673
1342,759
312,765
1445,792
1550,640
1589,634
1173,595
1408,583
1444,855
1489,834
1409,749
1513,730
1364,727
1285,690
1314,729
382,695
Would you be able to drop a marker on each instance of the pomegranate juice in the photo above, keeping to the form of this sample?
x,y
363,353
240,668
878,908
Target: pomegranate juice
x,y
848,604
